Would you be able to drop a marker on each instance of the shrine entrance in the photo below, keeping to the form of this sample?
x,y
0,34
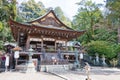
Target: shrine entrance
x,y
49,44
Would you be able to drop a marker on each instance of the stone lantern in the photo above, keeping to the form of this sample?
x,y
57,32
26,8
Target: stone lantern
x,y
30,66
30,54
97,58
76,46
103,60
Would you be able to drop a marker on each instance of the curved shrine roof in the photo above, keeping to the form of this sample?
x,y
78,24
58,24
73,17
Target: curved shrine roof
x,y
47,25
49,18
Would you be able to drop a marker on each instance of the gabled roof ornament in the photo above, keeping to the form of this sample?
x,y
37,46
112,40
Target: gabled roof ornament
x,y
50,8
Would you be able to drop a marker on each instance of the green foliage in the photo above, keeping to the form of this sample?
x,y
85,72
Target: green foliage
x,y
118,49
105,34
1,26
7,10
102,47
101,34
61,16
88,15
113,12
112,18
1,45
14,11
30,10
5,34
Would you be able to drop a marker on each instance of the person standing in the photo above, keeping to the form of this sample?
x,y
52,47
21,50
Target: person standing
x,y
81,59
87,69
6,62
0,61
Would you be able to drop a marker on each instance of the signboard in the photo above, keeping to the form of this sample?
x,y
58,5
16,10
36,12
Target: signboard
x,y
81,55
16,54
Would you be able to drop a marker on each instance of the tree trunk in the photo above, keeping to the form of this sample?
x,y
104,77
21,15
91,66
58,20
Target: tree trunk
x,y
118,59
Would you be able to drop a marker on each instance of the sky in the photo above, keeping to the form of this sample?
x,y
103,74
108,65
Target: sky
x,y
68,7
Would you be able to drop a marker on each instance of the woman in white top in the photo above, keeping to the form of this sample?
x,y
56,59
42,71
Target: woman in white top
x,y
6,61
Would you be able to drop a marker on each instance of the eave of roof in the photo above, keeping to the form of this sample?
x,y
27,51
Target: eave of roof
x,y
44,27
37,28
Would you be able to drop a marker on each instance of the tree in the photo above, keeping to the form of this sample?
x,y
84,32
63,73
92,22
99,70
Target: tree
x,y
102,47
106,34
113,17
100,36
61,16
88,15
30,10
7,10
113,10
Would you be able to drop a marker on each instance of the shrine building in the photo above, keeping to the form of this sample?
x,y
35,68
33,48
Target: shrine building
x,y
45,33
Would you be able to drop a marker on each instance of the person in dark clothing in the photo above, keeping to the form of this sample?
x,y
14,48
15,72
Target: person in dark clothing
x,y
38,64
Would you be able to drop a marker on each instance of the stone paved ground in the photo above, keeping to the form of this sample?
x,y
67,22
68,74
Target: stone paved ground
x,y
28,76
96,74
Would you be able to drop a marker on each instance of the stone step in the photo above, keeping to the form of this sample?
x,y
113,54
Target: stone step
x,y
54,68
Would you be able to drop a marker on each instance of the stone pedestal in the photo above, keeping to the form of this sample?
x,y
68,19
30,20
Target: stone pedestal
x,y
31,67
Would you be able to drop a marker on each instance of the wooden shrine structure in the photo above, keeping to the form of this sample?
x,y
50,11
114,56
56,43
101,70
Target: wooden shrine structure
x,y
46,32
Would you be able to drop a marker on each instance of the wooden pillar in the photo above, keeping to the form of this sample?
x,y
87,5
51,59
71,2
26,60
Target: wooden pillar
x,y
66,45
28,43
18,38
55,45
41,42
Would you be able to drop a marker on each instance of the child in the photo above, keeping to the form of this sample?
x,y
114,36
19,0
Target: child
x,y
87,69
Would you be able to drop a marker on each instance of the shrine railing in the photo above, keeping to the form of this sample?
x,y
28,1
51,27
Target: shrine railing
x,y
50,51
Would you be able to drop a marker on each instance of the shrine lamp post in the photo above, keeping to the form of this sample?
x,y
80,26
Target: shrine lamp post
x,y
97,58
30,65
30,55
76,57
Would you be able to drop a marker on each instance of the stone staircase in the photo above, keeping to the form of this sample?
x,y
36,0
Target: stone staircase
x,y
21,67
54,68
